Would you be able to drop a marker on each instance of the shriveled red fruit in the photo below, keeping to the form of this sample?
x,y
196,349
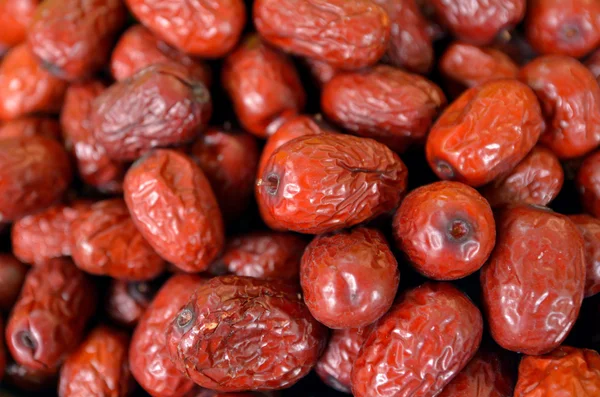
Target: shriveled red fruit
x,y
148,355
204,29
15,17
590,230
568,28
349,35
427,338
485,133
446,229
588,183
26,88
566,371
321,183
127,301
12,276
533,283
173,206
265,335
48,320
34,173
138,48
29,126
537,179
349,279
99,366
158,106
29,380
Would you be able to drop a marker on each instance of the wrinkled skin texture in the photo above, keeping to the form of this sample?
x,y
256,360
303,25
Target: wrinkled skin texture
x,y
570,99
263,84
127,301
34,173
94,166
265,255
345,34
73,38
148,355
229,161
28,379
240,333
208,29
589,227
158,106
349,279
173,206
12,276
105,241
26,88
532,285
537,179
479,21
99,366
138,48
419,345
568,28
15,17
30,126
48,320
446,229
588,183
564,372
318,184
485,133
391,106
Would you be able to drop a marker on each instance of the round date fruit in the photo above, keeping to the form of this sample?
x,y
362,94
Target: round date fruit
x,y
588,183
12,276
15,17
30,126
127,301
589,227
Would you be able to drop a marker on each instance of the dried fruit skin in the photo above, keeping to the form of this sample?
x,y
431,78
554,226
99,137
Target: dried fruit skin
x,y
98,367
564,372
349,35
391,106
34,173
321,183
446,229
588,183
12,276
419,345
73,38
173,206
30,126
105,241
127,301
590,230
207,29
15,17
349,279
485,133
267,76
265,335
48,320
158,106
532,285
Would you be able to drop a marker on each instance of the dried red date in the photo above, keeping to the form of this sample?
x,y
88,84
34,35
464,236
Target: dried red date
x,y
383,103
349,35
588,183
318,184
15,17
12,276
485,133
533,283
158,106
30,126
419,345
48,320
260,327
321,71
173,206
590,230
127,301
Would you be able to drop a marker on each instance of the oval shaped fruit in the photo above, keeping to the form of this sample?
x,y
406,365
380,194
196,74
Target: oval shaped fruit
x,y
15,17
589,227
127,301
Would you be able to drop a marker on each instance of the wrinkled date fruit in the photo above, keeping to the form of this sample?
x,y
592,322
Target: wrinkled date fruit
x,y
73,38
261,327
446,230
148,355
588,183
318,184
15,17
98,367
345,34
12,276
419,345
173,206
158,106
566,371
570,99
485,133
383,103
127,301
30,126
589,227
533,283
35,172
349,279
205,29
48,320
105,241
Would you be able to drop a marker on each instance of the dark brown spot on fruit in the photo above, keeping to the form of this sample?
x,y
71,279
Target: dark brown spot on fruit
x,y
459,230
272,184
444,170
